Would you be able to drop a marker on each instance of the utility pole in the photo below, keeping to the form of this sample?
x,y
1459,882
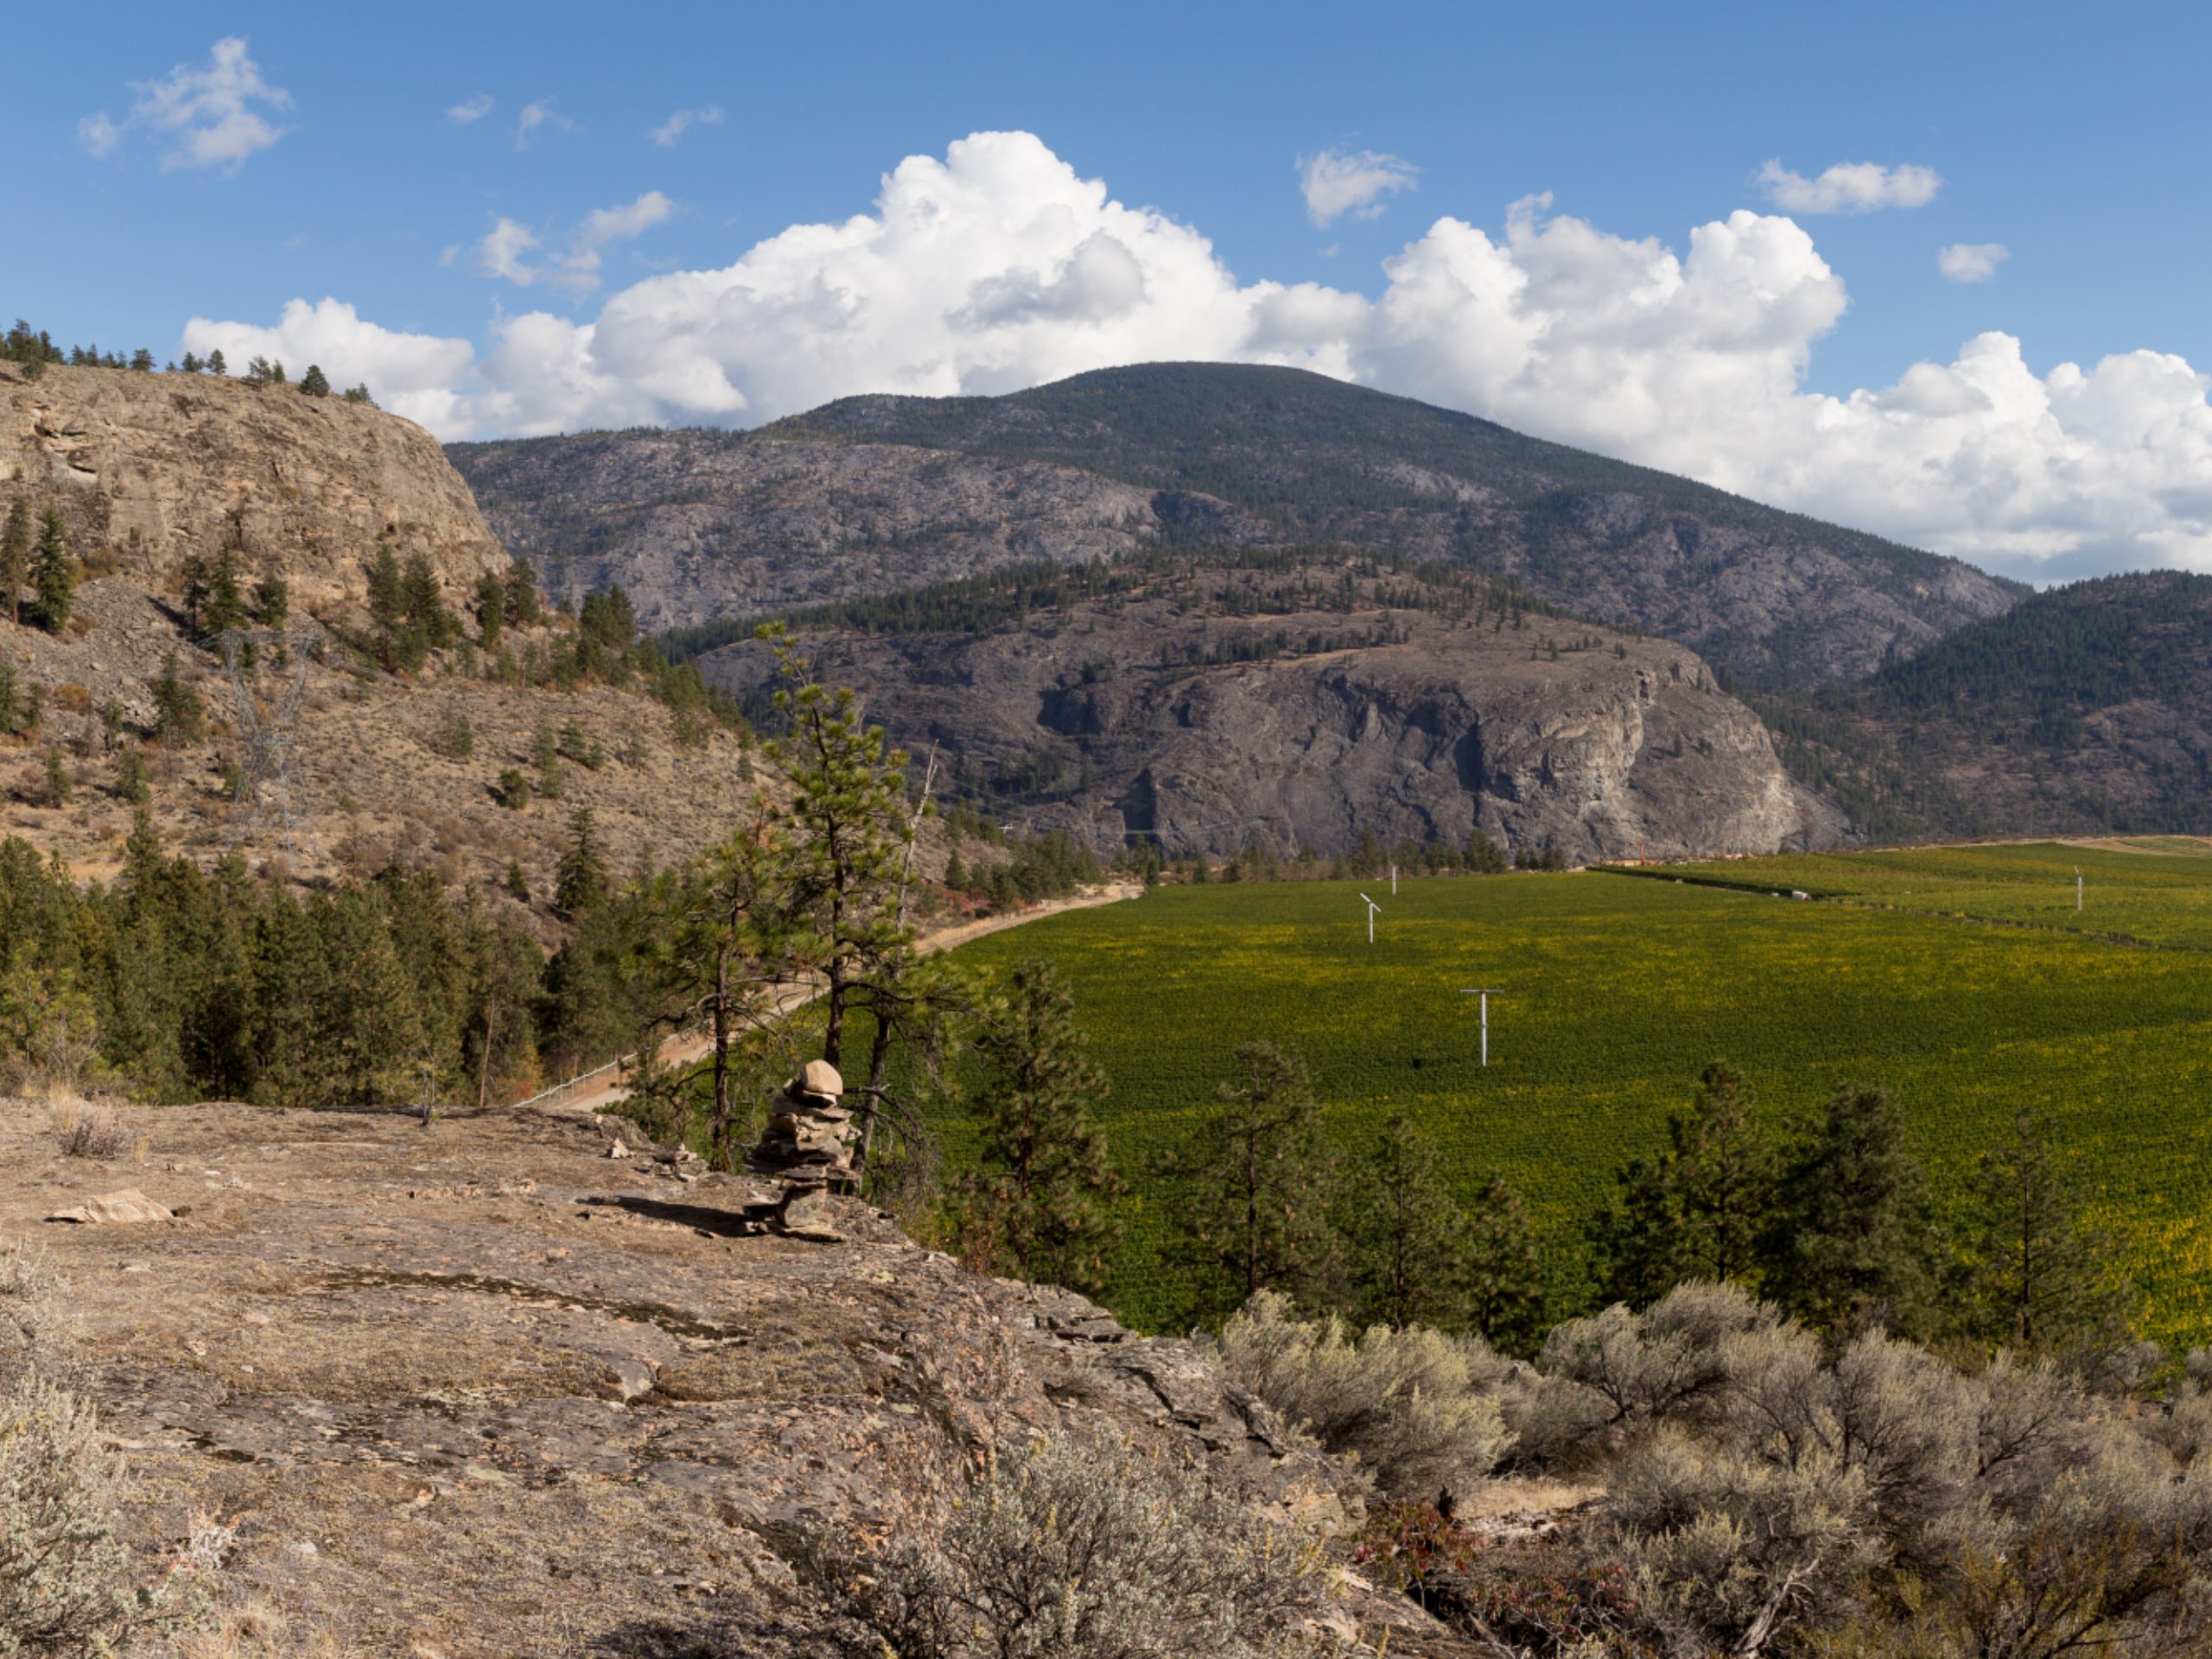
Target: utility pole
x,y
1371,908
1484,992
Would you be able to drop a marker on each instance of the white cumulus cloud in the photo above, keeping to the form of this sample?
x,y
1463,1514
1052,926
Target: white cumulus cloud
x,y
504,250
1850,188
683,121
469,109
997,266
1972,262
1337,182
214,116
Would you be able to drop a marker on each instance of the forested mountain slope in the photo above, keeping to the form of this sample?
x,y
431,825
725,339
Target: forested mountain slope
x,y
2088,707
874,494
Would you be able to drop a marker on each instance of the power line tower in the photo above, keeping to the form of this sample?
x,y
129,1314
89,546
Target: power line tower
x,y
268,671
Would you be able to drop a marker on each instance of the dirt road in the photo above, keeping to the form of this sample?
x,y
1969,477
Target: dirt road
x,y
595,1089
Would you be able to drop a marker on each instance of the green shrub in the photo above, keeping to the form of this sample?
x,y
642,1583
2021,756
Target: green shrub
x,y
1075,1551
1419,1409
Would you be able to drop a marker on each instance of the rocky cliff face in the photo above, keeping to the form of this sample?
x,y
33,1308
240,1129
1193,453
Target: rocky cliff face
x,y
1421,726
697,525
148,468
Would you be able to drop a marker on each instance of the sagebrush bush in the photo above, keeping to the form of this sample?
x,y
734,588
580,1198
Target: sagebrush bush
x,y
1420,1409
85,1130
63,1589
1072,1550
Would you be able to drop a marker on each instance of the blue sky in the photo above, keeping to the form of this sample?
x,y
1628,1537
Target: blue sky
x,y
2071,138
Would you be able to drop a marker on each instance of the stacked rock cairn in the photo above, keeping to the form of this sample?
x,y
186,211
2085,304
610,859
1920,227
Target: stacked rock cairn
x,y
808,1147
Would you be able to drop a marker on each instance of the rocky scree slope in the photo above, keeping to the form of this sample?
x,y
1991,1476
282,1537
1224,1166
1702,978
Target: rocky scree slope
x,y
1207,714
874,493
148,467
480,1390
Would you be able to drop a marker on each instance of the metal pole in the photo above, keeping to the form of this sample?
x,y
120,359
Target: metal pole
x,y
2077,889
1485,1003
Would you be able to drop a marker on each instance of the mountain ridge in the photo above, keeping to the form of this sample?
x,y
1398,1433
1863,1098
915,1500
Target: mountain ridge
x,y
870,494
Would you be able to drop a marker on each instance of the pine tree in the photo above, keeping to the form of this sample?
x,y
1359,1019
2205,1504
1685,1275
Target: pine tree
x,y
491,609
177,712
314,383
272,601
9,698
131,781
1699,1209
387,594
1851,1241
57,779
1505,1272
1405,1237
224,607
54,574
522,594
16,558
423,604
580,879
1254,1214
215,364
1038,1201
143,360
2037,1277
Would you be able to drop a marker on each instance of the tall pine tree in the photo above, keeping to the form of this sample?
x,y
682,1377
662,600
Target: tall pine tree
x,y
1852,1242
1697,1210
1405,1237
53,575
16,558
1037,1203
1253,1213
2038,1277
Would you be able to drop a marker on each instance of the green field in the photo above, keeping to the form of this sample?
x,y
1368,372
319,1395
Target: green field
x,y
1618,989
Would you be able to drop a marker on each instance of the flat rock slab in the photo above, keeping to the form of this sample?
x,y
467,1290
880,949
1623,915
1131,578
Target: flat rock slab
x,y
474,1389
115,1209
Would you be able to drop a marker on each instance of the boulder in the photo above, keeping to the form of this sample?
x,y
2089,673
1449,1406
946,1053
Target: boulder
x,y
115,1209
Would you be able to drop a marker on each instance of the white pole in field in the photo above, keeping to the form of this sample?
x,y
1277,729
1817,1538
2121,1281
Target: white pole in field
x,y
1393,880
1371,908
2077,889
1484,992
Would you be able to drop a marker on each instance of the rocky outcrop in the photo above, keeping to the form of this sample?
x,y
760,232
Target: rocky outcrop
x,y
1546,736
148,467
483,1392
697,525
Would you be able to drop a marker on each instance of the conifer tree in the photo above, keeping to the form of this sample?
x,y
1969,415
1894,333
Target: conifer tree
x,y
1851,1240
491,609
57,779
387,594
215,364
2038,1278
423,604
176,705
1505,1275
1406,1238
16,558
314,383
1037,1203
224,607
54,574
522,594
272,601
8,696
130,782
580,879
1697,1210
1254,1213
